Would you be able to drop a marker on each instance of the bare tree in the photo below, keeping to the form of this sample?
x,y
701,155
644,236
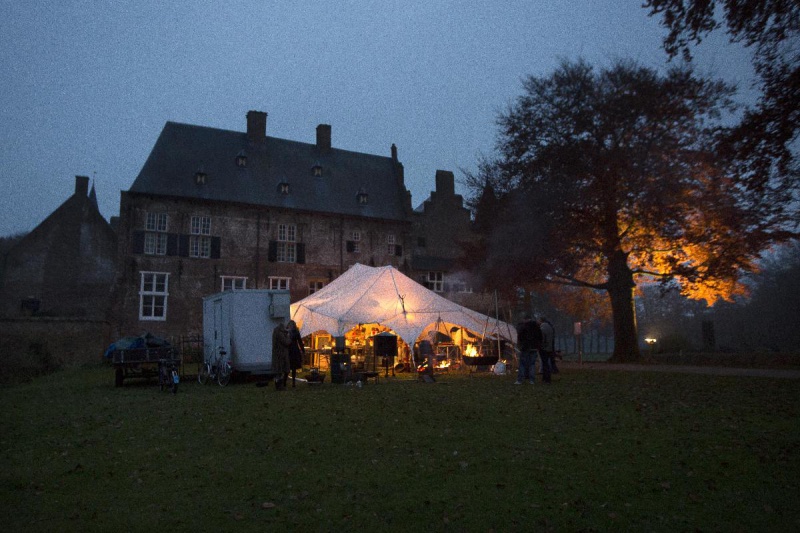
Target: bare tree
x,y
765,139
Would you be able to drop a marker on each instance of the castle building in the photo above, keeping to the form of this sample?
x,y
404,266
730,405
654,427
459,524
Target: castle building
x,y
215,210
440,226
65,267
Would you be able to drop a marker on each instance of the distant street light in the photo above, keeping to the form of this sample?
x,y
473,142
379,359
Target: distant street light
x,y
652,342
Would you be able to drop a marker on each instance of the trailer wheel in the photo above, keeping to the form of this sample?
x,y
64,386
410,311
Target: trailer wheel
x,y
119,376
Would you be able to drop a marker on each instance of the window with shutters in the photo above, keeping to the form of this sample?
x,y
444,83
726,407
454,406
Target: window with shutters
x,y
155,237
200,240
287,249
199,246
287,243
155,243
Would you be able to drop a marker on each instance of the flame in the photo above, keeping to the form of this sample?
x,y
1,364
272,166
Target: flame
x,y
471,351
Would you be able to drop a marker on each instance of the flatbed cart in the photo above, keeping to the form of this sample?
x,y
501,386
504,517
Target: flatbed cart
x,y
145,363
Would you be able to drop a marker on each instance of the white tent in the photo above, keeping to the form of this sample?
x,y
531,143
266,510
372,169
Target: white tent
x,y
383,295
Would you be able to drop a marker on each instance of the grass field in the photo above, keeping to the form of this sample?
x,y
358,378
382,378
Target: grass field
x,y
595,451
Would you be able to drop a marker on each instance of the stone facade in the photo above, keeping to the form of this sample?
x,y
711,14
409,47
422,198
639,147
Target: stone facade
x,y
245,234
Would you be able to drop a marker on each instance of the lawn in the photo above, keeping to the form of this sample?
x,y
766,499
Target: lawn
x,y
596,450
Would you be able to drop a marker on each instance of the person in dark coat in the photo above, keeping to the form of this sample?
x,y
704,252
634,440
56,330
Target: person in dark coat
x,y
296,350
548,350
529,341
280,355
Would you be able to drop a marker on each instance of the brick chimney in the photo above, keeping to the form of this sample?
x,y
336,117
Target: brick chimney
x,y
324,137
445,183
81,186
256,126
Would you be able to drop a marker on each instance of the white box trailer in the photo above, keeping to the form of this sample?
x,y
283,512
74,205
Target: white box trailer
x,y
240,323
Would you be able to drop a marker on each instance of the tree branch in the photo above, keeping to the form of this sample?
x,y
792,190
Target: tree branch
x,y
574,282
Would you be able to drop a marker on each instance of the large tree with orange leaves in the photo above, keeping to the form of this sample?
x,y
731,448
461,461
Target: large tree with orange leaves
x,y
608,178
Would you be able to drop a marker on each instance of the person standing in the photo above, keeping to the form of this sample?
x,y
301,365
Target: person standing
x,y
296,350
529,340
547,351
280,355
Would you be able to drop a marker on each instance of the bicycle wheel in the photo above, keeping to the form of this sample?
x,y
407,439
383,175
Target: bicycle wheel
x,y
224,375
203,373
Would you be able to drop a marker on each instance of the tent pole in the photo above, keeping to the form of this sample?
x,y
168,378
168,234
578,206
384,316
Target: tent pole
x,y
483,335
497,324
508,323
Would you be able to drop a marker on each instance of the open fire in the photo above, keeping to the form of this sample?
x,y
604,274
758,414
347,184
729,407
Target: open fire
x,y
442,363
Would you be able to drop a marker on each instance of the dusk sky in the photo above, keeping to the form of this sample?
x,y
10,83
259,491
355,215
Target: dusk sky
x,y
87,86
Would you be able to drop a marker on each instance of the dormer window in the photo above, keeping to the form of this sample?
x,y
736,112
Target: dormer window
x,y
283,187
200,177
317,170
362,197
241,159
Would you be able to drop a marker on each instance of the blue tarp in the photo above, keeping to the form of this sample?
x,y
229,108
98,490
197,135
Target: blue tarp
x,y
131,343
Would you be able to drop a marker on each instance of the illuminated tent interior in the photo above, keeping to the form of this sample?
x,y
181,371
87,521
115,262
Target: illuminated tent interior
x,y
383,295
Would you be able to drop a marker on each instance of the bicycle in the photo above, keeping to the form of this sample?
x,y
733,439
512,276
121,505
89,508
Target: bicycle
x,y
168,377
220,370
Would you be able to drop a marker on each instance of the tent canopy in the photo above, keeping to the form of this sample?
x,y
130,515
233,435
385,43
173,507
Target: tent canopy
x,y
383,295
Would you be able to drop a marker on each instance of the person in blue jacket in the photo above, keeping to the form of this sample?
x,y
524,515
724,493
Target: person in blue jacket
x,y
529,342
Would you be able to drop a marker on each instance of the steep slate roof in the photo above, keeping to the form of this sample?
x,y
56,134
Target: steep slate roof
x,y
182,149
76,211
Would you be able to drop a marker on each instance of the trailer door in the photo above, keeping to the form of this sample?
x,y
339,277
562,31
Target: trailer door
x,y
219,341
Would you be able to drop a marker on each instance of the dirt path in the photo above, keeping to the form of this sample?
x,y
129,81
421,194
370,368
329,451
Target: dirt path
x,y
710,370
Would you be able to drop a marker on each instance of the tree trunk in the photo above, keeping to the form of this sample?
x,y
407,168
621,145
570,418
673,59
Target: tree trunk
x,y
620,291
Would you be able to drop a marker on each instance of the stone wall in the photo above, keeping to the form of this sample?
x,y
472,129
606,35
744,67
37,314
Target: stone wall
x,y
31,346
